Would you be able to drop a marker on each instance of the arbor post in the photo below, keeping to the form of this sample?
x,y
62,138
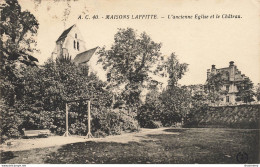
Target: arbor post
x,y
66,134
89,135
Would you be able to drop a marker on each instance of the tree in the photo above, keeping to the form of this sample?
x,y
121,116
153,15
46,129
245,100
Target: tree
x,y
173,69
171,105
214,84
149,112
175,105
129,61
245,91
258,92
18,29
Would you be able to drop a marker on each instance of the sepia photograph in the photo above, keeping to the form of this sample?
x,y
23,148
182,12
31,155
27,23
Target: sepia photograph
x,y
130,82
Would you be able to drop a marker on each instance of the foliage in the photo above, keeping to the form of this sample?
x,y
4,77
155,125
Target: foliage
x,y
18,30
257,93
216,81
245,91
10,121
145,115
174,101
59,82
113,122
213,86
129,61
175,104
149,112
44,92
173,68
171,105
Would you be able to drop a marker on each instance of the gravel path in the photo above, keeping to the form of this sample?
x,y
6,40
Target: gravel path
x,y
27,144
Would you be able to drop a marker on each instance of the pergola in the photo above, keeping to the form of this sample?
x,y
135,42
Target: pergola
x,y
66,134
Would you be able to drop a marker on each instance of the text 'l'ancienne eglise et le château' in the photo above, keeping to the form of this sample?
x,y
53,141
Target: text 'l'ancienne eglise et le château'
x,y
170,16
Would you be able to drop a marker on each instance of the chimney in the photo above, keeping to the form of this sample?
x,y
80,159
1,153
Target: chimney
x,y
232,71
231,63
213,69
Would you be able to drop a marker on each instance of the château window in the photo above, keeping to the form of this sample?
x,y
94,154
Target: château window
x,y
227,99
74,44
108,77
78,45
227,88
76,36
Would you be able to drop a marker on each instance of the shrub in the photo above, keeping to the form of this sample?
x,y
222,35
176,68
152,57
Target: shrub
x,y
10,122
114,122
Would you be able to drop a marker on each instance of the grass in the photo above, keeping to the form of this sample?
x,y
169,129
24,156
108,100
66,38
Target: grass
x,y
183,146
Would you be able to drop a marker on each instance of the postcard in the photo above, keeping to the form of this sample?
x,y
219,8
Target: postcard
x,y
130,82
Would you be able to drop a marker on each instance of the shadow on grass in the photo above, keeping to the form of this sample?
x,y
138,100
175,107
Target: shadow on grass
x,y
186,148
6,156
175,130
100,152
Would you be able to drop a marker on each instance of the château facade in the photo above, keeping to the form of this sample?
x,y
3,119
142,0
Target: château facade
x,y
230,77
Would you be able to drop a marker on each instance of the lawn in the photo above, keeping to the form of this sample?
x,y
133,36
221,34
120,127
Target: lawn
x,y
195,145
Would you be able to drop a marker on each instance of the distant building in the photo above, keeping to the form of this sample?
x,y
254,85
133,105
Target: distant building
x,y
71,45
231,77
197,89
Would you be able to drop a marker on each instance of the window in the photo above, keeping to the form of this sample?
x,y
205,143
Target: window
x,y
108,77
76,36
227,88
78,45
227,99
74,44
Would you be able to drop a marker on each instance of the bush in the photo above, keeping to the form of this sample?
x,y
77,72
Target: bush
x,y
148,116
114,122
99,134
10,122
154,124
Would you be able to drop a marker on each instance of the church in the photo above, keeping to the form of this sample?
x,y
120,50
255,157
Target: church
x,y
71,45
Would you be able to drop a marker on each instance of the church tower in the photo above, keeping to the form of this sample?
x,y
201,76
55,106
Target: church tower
x,y
69,44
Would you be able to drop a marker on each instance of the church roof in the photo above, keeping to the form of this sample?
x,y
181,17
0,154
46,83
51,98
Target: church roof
x,y
84,57
65,33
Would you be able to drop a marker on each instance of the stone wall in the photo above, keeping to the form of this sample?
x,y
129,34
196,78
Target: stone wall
x,y
242,116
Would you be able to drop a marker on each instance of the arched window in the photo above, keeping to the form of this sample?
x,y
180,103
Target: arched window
x,y
78,45
76,36
74,44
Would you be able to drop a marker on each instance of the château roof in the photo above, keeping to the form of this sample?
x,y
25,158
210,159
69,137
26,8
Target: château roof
x,y
65,33
227,73
84,57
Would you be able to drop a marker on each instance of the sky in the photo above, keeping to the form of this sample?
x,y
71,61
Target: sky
x,y
198,42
